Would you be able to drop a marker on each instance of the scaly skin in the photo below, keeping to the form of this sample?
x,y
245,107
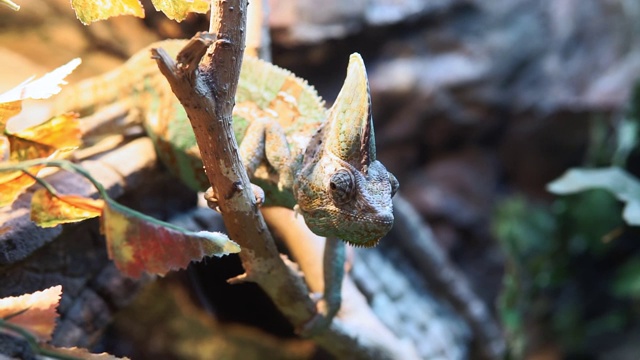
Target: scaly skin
x,y
323,163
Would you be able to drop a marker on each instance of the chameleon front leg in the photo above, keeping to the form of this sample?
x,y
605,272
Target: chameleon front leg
x,y
333,270
263,139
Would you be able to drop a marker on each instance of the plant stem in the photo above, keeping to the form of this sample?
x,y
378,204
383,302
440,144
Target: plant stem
x,y
24,166
33,343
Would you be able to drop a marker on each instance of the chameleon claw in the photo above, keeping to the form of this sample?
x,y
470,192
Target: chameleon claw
x,y
258,193
212,200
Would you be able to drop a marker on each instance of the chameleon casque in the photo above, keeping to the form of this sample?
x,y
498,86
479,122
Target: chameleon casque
x,y
292,147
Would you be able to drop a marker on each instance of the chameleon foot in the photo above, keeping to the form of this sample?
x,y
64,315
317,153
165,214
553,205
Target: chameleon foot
x,y
321,320
328,303
212,197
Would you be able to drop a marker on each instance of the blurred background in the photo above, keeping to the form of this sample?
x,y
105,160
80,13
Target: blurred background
x,y
477,107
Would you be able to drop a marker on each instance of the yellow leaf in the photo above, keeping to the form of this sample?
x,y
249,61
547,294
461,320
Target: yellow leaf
x,y
12,184
60,132
88,11
7,110
48,210
4,148
22,149
139,243
35,312
179,9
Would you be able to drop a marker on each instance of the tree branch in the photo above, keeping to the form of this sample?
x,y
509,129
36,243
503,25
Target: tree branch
x,y
207,93
208,98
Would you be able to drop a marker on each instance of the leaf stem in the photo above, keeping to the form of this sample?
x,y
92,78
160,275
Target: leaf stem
x,y
33,343
42,182
62,164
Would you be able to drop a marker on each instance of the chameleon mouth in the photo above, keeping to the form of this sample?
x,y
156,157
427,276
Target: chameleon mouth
x,y
368,244
361,230
382,219
380,224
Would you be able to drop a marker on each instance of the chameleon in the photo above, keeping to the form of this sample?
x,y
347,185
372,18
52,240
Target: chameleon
x,y
320,162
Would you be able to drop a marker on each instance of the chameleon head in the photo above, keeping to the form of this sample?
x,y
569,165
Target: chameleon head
x,y
342,190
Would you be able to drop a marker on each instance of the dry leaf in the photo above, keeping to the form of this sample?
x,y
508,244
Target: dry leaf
x,y
88,11
81,353
42,88
138,243
36,312
48,210
10,4
47,85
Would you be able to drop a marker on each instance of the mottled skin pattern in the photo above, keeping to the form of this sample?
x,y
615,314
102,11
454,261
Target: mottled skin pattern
x,y
300,154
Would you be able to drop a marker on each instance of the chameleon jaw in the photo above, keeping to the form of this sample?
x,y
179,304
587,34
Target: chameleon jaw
x,y
355,229
368,244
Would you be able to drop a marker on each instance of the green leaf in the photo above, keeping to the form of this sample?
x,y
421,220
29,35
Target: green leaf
x,y
621,184
627,281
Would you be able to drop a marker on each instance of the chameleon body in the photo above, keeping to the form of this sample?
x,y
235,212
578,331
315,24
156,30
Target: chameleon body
x,y
293,148
322,162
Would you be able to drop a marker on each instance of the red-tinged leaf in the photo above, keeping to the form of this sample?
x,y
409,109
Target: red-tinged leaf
x,y
59,132
138,243
81,353
48,210
35,312
88,11
179,9
14,183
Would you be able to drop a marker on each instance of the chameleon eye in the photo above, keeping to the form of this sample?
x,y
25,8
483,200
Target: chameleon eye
x,y
394,184
341,186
